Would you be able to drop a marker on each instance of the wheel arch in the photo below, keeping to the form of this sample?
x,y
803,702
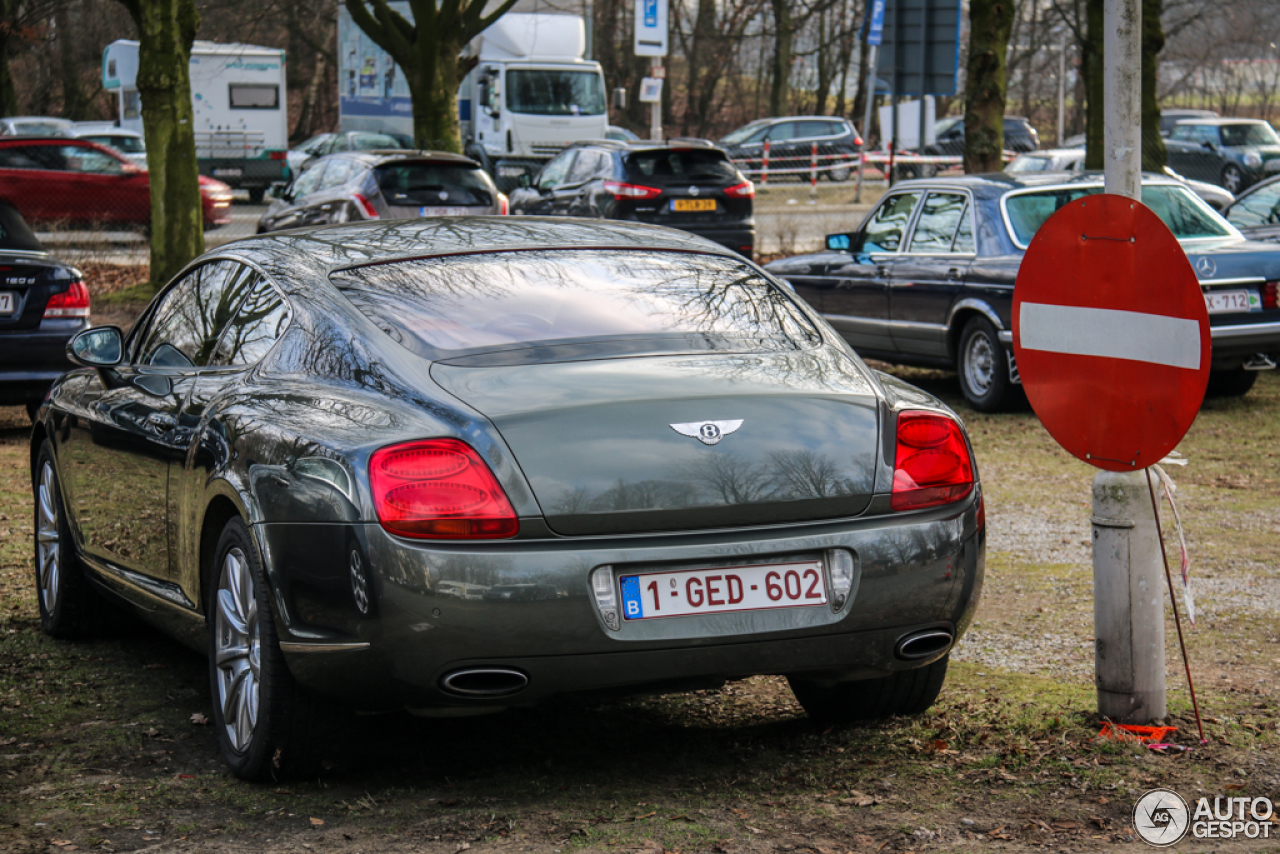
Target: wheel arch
x,y
217,514
959,316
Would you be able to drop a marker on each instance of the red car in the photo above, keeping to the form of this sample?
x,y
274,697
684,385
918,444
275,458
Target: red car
x,y
61,179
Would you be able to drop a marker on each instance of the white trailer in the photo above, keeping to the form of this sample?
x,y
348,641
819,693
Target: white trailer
x,y
531,93
238,97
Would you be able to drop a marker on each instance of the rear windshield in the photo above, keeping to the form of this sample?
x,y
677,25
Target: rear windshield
x,y
443,306
1028,163
1187,217
435,184
681,164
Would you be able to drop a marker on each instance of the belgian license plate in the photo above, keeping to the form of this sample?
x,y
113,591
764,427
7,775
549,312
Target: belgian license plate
x,y
1224,302
227,173
429,211
712,591
685,205
8,304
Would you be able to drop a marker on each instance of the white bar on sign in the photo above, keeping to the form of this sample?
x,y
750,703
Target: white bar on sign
x,y
1132,335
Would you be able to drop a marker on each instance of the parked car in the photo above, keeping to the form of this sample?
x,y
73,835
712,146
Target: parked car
x,y
1072,160
67,180
129,143
1019,135
362,185
1169,119
33,126
685,184
621,134
927,279
791,140
43,303
324,144
1232,153
307,437
1256,213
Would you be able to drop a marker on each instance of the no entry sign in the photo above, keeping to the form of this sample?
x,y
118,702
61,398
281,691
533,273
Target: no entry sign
x,y
1111,333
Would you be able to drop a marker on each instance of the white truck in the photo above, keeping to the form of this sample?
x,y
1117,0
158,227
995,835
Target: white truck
x,y
531,93
238,99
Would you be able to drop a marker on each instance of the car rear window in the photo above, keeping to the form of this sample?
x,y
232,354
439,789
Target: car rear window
x,y
1187,217
681,164
422,183
443,306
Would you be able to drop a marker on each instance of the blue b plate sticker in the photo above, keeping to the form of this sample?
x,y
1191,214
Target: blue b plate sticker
x,y
631,607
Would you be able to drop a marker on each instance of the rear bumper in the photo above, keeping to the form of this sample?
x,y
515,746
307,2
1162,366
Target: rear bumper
x,y
1233,344
426,618
245,173
31,361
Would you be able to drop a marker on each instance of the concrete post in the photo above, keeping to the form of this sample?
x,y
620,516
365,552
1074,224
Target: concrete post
x,y
1128,600
655,109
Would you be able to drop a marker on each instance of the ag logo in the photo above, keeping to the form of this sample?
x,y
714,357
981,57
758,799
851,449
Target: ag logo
x,y
1161,817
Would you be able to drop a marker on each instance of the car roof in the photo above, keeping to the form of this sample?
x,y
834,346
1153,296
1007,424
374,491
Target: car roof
x,y
1223,120
379,156
633,145
996,184
298,256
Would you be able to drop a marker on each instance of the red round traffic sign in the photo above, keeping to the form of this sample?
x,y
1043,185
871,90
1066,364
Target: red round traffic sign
x,y
1111,333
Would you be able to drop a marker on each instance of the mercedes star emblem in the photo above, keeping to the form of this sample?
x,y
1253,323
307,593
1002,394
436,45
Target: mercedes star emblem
x,y
707,432
693,191
1205,267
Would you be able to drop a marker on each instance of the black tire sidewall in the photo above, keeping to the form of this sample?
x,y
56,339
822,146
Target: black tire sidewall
x,y
55,622
995,396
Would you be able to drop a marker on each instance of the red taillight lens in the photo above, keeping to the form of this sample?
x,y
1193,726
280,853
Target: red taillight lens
x,y
932,464
504,204
439,489
73,302
745,190
277,155
1271,295
366,206
857,140
622,191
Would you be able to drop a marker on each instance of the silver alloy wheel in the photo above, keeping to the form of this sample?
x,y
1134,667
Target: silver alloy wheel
x,y
237,649
1232,179
979,364
48,546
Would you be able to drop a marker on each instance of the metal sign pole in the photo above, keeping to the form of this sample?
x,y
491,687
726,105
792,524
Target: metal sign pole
x,y
870,85
1128,610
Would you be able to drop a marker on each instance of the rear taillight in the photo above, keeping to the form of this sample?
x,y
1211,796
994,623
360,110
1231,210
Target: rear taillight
x,y
932,464
278,155
504,204
73,302
745,190
857,140
366,206
439,489
1271,295
622,192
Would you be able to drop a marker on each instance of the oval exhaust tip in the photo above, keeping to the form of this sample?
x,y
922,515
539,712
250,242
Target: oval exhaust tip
x,y
484,682
923,644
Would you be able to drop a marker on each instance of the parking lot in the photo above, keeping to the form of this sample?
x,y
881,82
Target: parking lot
x,y
105,745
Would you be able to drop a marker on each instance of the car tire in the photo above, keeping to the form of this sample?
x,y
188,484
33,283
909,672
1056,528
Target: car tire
x,y
68,605
1232,179
267,727
1231,383
839,174
906,692
983,366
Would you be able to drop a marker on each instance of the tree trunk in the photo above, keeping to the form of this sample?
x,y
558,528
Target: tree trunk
x,y
990,22
8,92
1092,67
306,126
75,105
166,29
700,55
434,91
784,33
1154,154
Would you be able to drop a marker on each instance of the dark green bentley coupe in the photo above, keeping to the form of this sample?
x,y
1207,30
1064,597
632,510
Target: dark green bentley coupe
x,y
459,465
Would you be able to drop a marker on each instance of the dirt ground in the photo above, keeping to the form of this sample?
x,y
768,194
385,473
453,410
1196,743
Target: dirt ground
x,y
105,744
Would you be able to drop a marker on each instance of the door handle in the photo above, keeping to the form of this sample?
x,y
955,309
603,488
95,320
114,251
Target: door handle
x,y
162,421
953,274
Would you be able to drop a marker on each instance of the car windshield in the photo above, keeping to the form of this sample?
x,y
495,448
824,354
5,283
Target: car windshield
x,y
1187,217
501,300
1029,163
373,141
680,164
1249,134
741,134
555,93
432,184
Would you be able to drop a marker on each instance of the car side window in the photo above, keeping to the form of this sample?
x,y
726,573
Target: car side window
x,y
1181,132
309,180
90,160
584,168
940,218
336,174
782,131
187,322
556,172
887,225
259,322
29,157
1261,207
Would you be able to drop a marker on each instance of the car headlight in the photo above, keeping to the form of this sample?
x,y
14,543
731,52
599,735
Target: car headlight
x,y
1253,159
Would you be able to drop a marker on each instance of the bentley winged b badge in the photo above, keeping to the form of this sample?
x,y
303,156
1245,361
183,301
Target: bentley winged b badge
x,y
707,432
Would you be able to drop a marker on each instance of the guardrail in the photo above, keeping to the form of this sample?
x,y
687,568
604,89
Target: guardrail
x,y
823,161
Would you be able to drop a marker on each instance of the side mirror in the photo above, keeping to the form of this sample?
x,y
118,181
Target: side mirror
x,y
525,180
620,98
99,347
842,242
1209,145
482,92
279,190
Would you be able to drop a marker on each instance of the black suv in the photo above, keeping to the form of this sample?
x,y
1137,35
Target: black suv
x,y
791,140
683,183
1019,136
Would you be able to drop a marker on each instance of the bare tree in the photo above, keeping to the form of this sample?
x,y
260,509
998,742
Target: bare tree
x,y
990,22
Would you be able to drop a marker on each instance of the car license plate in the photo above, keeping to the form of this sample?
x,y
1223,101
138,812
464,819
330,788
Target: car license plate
x,y
8,304
426,211
227,173
735,588
1224,302
693,204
